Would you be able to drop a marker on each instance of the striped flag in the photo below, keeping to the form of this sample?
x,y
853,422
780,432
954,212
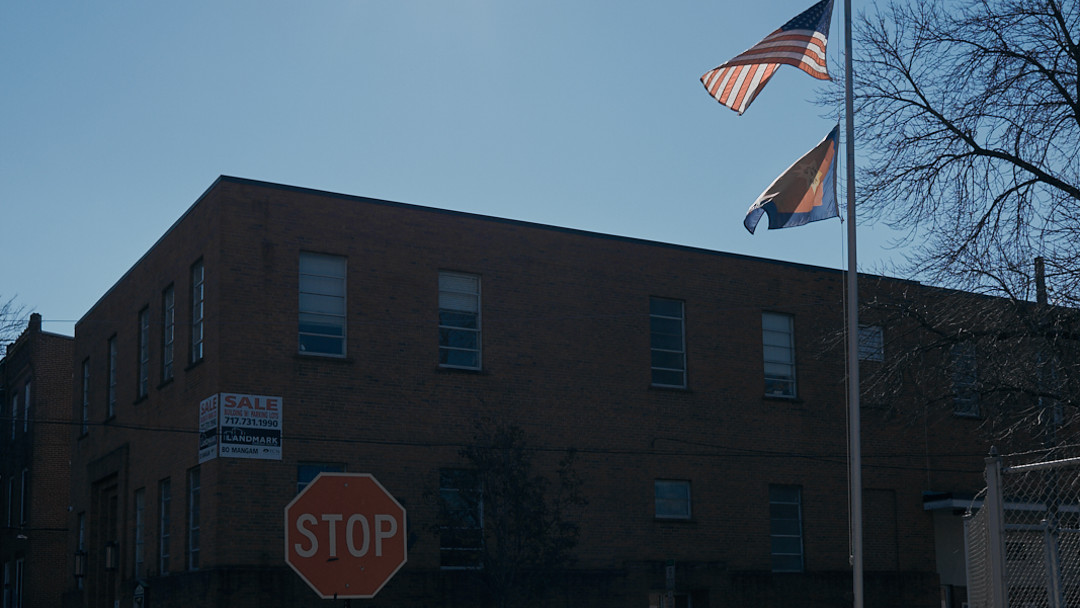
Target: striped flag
x,y
799,42
806,192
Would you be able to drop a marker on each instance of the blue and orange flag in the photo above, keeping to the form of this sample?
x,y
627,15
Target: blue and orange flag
x,y
806,192
799,42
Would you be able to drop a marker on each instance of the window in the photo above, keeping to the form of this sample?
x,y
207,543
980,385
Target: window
x,y
198,296
111,404
871,343
306,473
168,332
24,498
668,342
81,546
10,500
964,379
672,499
322,304
85,396
194,512
144,352
164,521
779,348
17,596
26,408
140,532
459,320
785,526
461,536
14,413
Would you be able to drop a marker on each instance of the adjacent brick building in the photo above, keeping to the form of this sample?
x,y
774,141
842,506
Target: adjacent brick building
x,y
35,455
703,392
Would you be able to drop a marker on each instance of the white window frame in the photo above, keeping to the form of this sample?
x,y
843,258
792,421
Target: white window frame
x,y
786,531
168,332
460,338
111,397
140,532
198,299
778,348
26,408
323,304
963,366
871,343
144,353
470,501
85,396
194,516
672,499
164,525
24,498
667,342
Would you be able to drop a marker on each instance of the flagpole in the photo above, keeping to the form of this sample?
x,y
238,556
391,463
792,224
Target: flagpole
x,y
854,433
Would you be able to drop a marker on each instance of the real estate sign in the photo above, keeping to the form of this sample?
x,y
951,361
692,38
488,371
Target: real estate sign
x,y
240,426
208,428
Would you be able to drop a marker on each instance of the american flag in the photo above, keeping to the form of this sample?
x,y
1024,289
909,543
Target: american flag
x,y
799,42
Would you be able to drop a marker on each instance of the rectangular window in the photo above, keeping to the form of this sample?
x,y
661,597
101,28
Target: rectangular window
x,y
168,332
322,304
144,352
459,320
24,498
164,523
194,514
81,546
306,473
667,339
111,404
85,396
871,343
672,499
964,379
10,500
461,535
7,585
17,596
198,296
26,408
778,338
785,527
140,532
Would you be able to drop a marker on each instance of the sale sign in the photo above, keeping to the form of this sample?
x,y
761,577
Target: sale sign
x,y
208,428
234,425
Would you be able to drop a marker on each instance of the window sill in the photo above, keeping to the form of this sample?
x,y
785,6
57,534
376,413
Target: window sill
x,y
667,387
165,383
140,400
324,358
193,364
784,398
450,369
674,520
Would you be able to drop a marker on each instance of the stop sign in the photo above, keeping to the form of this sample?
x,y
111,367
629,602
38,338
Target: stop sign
x,y
345,535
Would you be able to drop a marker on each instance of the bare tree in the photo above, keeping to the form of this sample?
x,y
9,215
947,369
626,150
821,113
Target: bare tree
x,y
12,320
968,120
968,127
512,527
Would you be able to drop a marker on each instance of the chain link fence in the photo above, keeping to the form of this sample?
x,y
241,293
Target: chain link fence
x,y
1023,545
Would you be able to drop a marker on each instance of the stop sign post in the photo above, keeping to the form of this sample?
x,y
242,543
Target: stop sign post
x,y
345,535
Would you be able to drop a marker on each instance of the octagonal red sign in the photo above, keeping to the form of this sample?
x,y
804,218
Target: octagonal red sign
x,y
345,535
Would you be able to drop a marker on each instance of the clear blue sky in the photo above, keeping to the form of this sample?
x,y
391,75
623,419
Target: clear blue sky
x,y
115,116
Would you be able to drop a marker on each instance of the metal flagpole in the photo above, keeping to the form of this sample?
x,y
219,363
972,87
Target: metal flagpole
x,y
854,434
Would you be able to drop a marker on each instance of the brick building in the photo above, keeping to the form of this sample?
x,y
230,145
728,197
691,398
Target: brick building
x,y
35,454
699,389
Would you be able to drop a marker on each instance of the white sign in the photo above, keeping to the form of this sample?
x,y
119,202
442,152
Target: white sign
x,y
208,428
250,426
233,425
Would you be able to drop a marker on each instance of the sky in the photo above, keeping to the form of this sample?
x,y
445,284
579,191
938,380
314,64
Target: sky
x,y
116,115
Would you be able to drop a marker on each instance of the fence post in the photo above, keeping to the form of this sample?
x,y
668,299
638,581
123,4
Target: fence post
x,y
995,523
